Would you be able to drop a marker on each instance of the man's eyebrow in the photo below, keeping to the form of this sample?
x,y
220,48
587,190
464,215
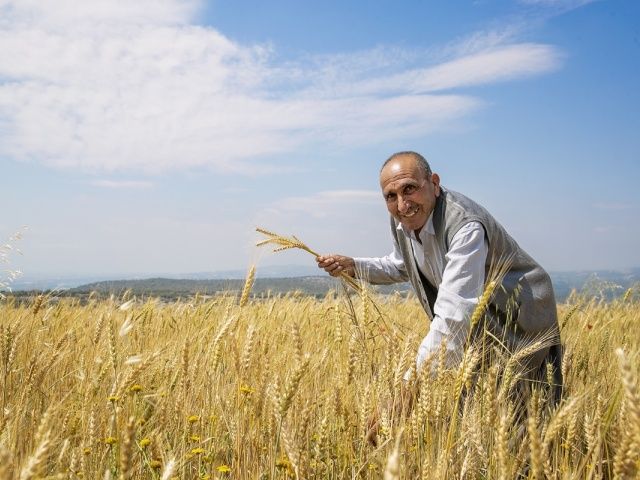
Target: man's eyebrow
x,y
407,182
401,184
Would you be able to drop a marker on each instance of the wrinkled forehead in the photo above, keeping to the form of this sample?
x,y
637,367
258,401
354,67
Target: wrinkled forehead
x,y
399,184
400,172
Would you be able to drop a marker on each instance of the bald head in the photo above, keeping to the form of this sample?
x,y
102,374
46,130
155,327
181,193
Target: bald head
x,y
409,188
420,161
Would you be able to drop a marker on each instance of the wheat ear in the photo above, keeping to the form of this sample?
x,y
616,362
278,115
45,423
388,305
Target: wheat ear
x,y
217,341
291,387
248,283
168,470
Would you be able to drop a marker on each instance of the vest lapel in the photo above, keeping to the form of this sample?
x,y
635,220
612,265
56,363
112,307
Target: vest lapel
x,y
419,282
430,291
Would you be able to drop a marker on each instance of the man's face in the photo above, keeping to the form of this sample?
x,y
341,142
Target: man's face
x,y
409,194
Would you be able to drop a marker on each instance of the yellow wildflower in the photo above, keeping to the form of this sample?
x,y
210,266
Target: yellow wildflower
x,y
197,451
283,463
195,438
223,468
244,389
113,398
155,463
135,388
111,440
145,442
193,418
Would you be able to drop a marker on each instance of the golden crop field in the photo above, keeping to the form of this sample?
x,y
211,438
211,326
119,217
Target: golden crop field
x,y
284,387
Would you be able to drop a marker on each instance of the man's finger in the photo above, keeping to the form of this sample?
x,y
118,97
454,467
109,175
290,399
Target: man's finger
x,y
325,261
334,266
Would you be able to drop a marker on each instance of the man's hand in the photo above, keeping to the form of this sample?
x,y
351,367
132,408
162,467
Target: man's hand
x,y
335,265
400,408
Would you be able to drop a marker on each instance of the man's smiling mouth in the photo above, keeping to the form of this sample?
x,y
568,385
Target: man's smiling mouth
x,y
410,213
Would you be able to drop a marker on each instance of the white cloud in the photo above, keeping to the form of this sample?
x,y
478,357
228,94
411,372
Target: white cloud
x,y
485,39
354,222
122,183
69,13
496,65
325,204
552,8
112,86
328,204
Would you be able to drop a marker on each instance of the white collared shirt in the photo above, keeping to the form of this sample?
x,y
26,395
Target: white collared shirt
x,y
458,275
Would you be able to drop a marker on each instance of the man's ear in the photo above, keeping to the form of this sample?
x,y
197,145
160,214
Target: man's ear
x,y
435,179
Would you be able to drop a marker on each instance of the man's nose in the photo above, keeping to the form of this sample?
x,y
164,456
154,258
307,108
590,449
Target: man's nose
x,y
403,205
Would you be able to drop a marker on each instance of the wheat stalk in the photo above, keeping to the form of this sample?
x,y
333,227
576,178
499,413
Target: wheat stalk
x,y
535,440
6,464
392,470
626,458
35,463
126,453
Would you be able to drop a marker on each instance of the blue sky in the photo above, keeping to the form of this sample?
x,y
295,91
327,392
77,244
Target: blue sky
x,y
152,137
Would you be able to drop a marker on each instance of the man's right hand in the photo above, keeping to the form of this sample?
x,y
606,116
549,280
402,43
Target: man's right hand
x,y
335,265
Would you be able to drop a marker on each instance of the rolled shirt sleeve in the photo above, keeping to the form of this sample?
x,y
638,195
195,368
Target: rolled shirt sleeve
x,y
462,283
382,270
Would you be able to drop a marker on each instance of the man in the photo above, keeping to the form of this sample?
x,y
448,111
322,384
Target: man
x,y
445,245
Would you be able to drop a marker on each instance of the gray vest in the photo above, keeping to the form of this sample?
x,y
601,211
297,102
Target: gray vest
x,y
523,307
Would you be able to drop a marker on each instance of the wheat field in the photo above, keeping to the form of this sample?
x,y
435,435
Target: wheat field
x,y
285,386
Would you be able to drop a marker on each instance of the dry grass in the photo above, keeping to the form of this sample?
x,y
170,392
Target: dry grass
x,y
283,387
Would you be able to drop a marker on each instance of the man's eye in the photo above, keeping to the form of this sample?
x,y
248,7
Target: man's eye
x,y
390,197
409,189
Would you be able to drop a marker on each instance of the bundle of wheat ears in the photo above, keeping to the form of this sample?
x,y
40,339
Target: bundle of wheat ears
x,y
286,243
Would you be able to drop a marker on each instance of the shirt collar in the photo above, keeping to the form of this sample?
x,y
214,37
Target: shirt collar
x,y
427,229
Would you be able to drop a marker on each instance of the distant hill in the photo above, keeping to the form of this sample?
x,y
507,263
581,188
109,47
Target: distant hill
x,y
607,283
173,288
66,282
603,283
